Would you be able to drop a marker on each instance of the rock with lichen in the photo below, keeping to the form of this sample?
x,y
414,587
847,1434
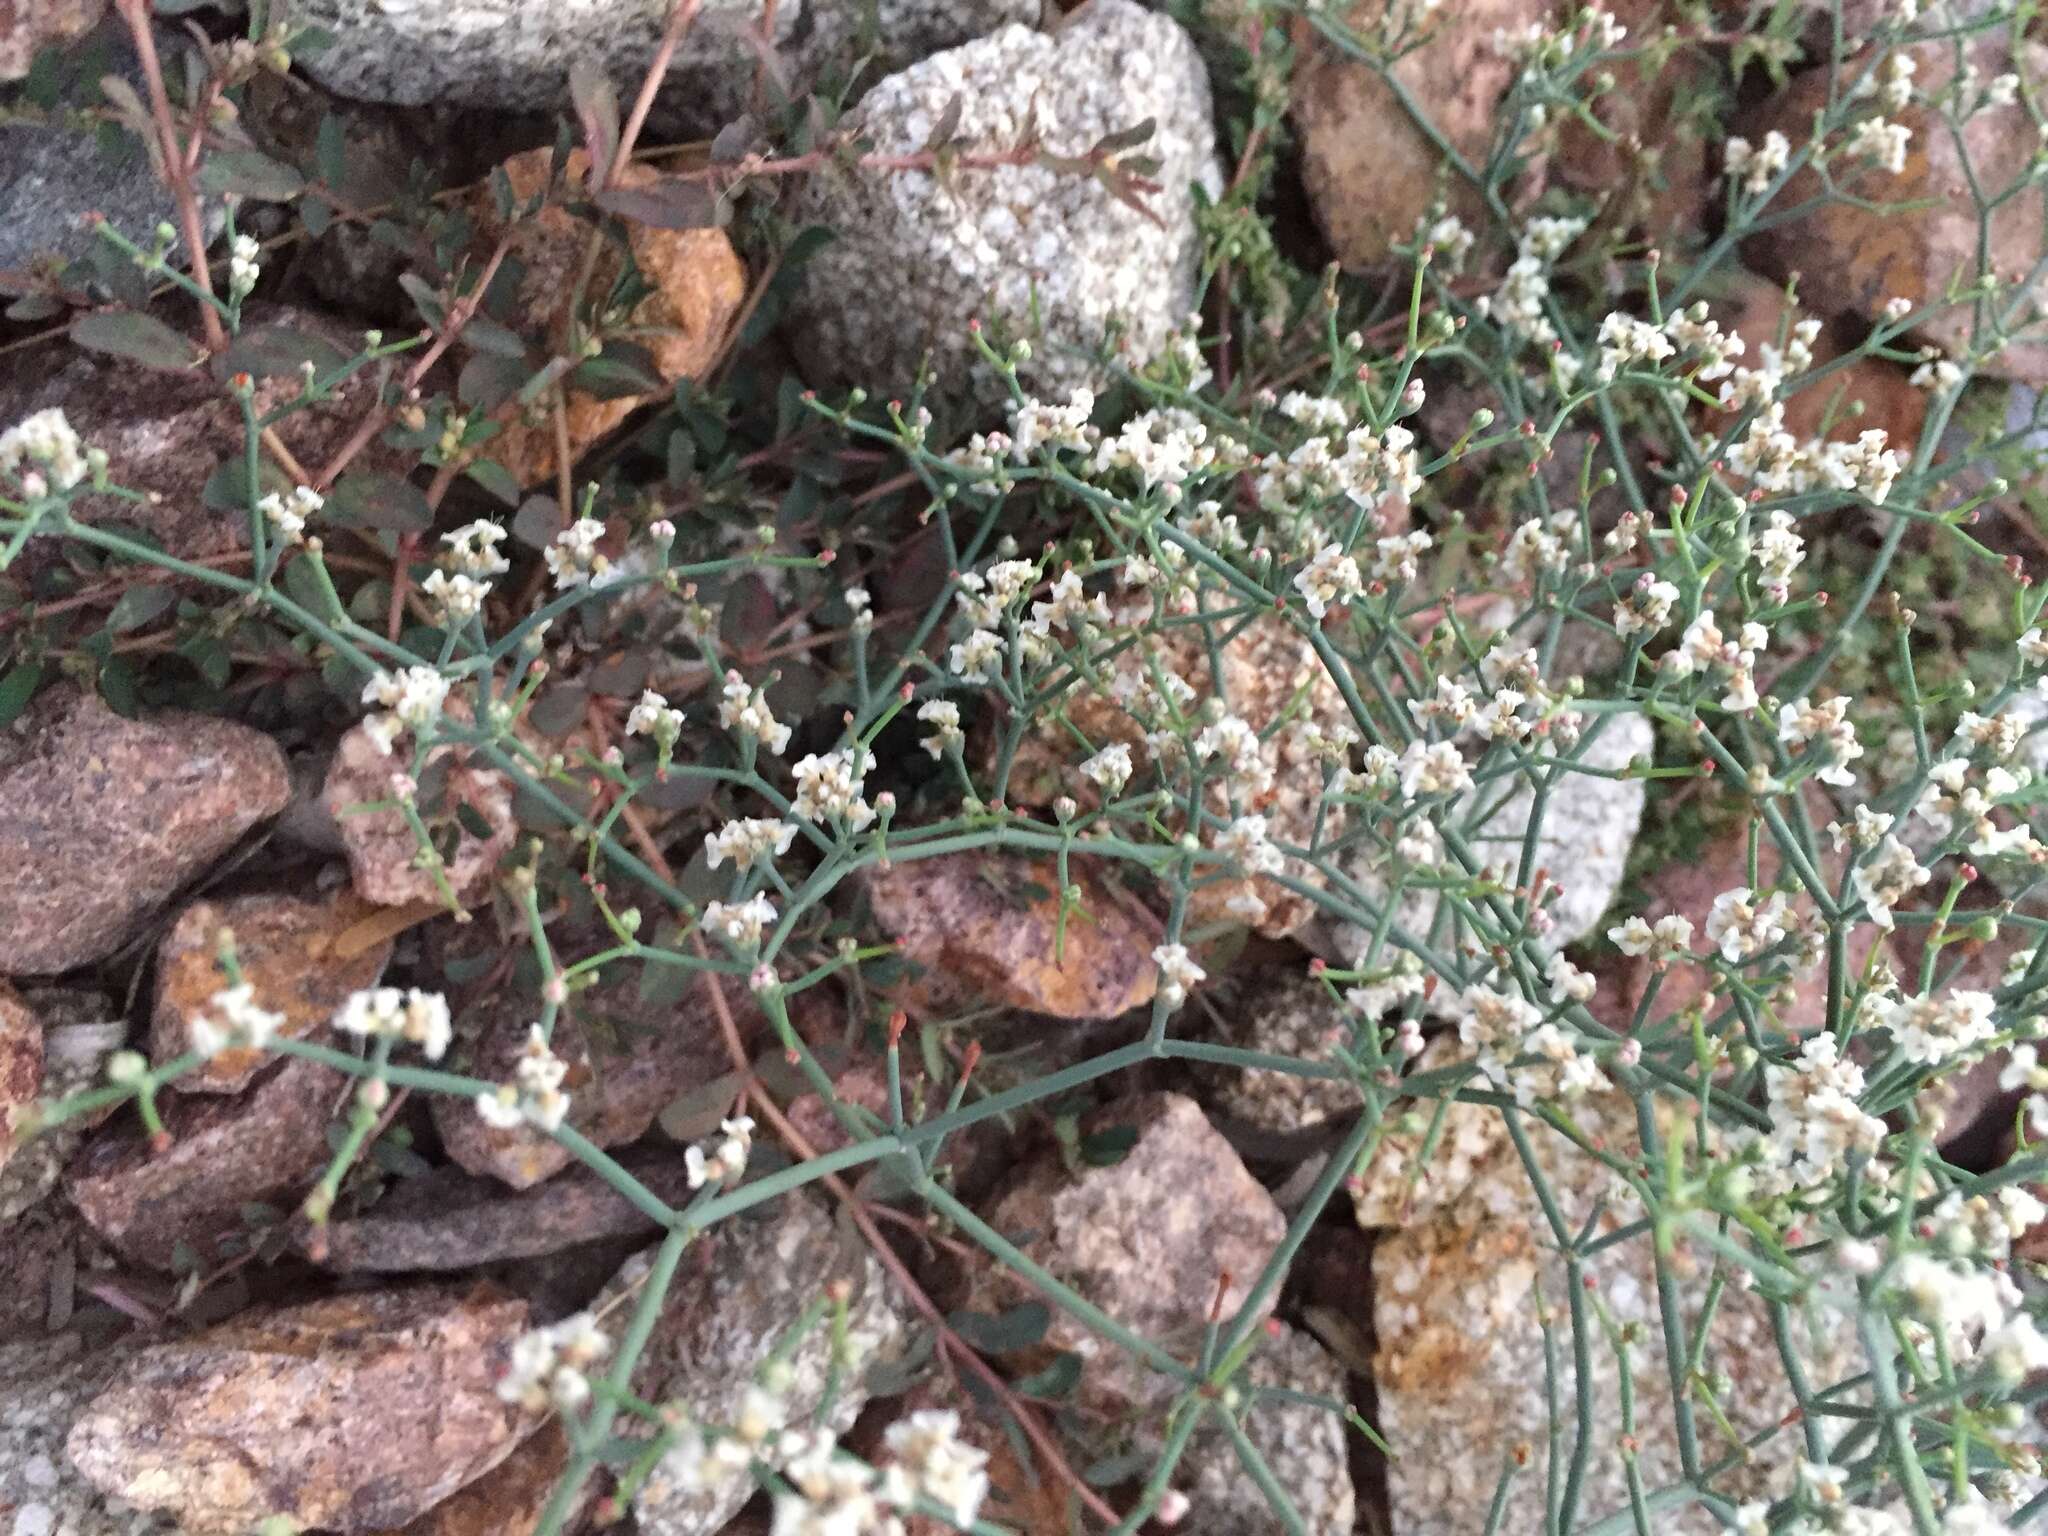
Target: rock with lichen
x,y
734,1306
385,859
1013,241
1460,1303
1588,823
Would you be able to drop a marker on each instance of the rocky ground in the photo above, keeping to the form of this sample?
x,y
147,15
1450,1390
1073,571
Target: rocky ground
x,y
178,1355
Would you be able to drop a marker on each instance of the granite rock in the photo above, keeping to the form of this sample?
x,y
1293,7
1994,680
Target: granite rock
x,y
103,818
1285,1013
21,1065
45,1385
1589,824
982,929
382,851
1150,1239
517,54
352,1414
74,1055
449,1219
1459,1374
985,243
1302,1444
729,1310
626,1063
28,26
264,1147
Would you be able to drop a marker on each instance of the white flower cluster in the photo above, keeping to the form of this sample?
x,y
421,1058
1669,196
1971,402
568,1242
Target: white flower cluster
x,y
1817,1120
412,699
743,710
1177,972
1519,302
653,717
828,788
574,558
245,265
1705,650
726,1160
741,924
1519,1051
943,716
288,512
549,1366
750,842
534,1096
45,439
233,1019
419,1018
1756,166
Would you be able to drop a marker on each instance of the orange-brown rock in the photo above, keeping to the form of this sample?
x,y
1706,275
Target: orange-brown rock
x,y
21,1064
303,957
983,928
1370,171
1854,256
356,1413
1651,175
508,1499
698,284
1756,311
28,26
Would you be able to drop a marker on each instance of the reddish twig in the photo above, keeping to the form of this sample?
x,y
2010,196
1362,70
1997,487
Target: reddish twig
x,y
179,165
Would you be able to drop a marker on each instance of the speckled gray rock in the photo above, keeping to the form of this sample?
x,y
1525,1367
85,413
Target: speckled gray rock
x,y
1148,1239
1302,1444
919,256
45,1385
1457,1302
1589,823
517,53
56,170
729,1310
1285,1013
102,819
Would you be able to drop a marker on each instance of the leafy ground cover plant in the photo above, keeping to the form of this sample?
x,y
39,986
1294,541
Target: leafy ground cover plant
x,y
1255,636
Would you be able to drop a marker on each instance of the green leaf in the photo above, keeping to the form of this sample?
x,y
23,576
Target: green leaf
x,y
135,337
597,111
495,478
1056,1380
265,351
673,202
473,821
424,298
138,605
624,369
17,688
227,488
1105,1149
250,173
487,380
369,498
1111,1470
537,522
1018,1328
